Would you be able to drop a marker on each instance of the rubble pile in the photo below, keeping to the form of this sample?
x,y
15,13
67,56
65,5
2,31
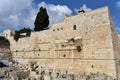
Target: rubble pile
x,y
17,71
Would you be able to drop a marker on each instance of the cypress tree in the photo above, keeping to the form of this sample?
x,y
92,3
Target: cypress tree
x,y
42,20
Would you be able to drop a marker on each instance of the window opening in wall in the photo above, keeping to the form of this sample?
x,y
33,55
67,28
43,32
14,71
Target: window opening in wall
x,y
62,45
92,66
53,29
50,73
64,55
74,27
66,71
39,50
58,29
16,51
61,28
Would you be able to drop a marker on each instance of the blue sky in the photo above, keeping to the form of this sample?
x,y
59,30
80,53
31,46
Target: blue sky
x,y
16,14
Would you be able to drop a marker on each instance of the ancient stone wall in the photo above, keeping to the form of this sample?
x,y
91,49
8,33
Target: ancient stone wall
x,y
116,47
84,43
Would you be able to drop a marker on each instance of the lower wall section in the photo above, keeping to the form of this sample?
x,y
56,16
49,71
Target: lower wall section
x,y
75,66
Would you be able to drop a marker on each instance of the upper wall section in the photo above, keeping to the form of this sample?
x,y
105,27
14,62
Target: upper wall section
x,y
93,28
81,24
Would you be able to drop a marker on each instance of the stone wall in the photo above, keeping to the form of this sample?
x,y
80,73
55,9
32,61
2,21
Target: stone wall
x,y
116,47
82,43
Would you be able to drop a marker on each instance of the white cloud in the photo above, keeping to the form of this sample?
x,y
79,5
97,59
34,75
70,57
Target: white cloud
x,y
16,14
118,4
76,10
56,12
85,8
12,13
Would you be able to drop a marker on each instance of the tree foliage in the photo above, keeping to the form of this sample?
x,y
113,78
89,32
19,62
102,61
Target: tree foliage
x,y
4,42
42,20
24,30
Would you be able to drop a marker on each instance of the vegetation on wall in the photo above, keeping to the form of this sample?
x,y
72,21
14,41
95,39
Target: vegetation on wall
x,y
4,42
42,20
78,48
24,30
41,23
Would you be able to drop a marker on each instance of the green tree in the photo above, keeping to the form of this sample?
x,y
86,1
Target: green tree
x,y
42,20
4,42
24,30
16,36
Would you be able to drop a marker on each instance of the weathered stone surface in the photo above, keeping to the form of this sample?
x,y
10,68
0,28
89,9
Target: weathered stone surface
x,y
84,43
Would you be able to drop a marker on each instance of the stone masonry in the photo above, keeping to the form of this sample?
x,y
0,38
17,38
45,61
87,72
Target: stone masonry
x,y
83,43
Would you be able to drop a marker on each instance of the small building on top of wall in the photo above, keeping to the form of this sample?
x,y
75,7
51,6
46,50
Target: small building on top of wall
x,y
8,33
